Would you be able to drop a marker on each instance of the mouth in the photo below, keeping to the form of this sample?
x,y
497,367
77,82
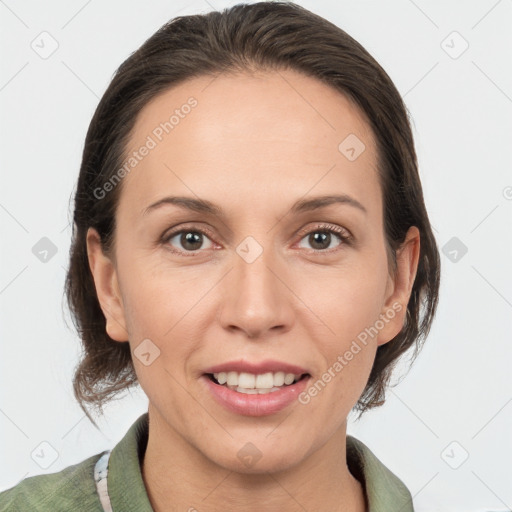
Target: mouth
x,y
256,384
250,389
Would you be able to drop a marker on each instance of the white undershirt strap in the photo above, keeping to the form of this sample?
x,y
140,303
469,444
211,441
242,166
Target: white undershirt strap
x,y
100,477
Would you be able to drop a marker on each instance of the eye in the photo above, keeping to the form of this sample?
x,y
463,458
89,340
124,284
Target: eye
x,y
190,240
321,237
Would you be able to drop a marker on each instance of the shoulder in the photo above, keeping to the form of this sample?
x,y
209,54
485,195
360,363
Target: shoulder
x,y
71,489
74,488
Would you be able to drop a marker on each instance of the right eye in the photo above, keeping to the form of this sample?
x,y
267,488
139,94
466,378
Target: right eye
x,y
190,239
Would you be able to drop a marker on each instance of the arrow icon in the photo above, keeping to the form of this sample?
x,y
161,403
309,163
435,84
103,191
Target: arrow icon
x,y
44,250
44,455
454,45
249,252
45,45
249,454
351,147
147,352
455,249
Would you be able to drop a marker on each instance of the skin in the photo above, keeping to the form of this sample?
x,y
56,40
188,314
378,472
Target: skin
x,y
254,145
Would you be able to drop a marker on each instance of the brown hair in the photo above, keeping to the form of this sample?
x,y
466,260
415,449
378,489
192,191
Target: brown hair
x,y
260,36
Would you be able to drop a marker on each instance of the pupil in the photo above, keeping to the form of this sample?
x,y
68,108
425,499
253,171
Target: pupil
x,y
191,237
323,237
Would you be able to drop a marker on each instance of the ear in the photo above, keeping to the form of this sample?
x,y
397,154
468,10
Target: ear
x,y
107,287
399,287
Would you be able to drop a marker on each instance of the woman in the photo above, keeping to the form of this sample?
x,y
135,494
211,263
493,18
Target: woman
x,y
250,245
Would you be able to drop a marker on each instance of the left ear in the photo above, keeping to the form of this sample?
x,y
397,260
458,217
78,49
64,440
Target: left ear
x,y
399,287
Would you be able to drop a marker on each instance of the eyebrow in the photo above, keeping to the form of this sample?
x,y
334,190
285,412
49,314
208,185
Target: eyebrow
x,y
207,207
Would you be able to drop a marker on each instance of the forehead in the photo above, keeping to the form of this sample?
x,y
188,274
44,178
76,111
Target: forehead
x,y
262,135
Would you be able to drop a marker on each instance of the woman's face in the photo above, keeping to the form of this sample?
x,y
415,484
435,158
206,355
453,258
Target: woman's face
x,y
259,285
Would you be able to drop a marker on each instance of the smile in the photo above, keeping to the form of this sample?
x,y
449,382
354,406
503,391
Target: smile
x,y
255,389
254,384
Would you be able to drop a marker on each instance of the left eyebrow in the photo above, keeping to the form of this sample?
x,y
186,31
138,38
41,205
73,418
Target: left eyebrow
x,y
302,205
315,203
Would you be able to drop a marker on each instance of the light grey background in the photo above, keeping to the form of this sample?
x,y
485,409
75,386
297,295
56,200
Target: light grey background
x,y
455,403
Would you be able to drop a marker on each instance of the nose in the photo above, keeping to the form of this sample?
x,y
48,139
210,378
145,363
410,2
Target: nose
x,y
256,298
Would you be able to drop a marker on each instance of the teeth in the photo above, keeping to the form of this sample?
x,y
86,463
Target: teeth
x,y
247,391
232,379
278,379
263,381
247,380
252,384
254,391
289,378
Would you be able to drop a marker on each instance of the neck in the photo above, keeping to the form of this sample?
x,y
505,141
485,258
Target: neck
x,y
178,477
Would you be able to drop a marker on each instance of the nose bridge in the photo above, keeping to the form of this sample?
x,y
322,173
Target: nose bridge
x,y
255,298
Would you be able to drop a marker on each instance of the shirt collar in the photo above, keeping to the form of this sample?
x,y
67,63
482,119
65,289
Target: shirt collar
x,y
385,492
125,484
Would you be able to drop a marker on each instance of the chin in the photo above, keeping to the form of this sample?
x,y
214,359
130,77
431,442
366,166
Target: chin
x,y
257,457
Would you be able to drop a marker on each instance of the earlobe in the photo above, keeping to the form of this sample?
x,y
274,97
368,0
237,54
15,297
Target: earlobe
x,y
107,287
395,307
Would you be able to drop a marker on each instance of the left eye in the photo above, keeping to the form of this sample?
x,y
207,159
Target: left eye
x,y
322,238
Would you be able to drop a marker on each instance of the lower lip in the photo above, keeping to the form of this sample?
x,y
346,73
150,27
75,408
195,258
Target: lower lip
x,y
255,405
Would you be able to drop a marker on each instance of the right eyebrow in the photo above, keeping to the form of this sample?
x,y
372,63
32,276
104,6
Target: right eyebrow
x,y
189,203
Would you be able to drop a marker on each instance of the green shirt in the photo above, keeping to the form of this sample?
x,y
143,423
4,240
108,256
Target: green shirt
x,y
74,488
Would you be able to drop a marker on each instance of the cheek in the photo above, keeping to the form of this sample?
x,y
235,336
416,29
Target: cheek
x,y
347,299
169,307
157,296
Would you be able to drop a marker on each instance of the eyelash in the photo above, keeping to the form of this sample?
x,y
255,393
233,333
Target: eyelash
x,y
343,234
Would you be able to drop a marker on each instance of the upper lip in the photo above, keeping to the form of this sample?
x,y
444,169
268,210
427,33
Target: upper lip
x,y
256,368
